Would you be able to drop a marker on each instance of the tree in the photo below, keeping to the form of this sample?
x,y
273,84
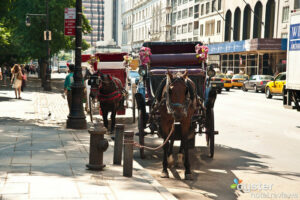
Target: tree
x,y
28,42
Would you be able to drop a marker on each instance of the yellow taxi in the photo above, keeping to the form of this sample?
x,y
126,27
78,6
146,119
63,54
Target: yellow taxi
x,y
238,80
275,87
227,82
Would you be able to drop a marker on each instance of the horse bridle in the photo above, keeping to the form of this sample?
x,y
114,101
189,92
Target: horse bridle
x,y
169,104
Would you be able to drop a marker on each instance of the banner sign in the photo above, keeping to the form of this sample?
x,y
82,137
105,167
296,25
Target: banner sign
x,y
70,21
294,40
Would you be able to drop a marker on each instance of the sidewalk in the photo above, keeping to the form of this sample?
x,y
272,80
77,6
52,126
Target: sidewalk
x,y
40,159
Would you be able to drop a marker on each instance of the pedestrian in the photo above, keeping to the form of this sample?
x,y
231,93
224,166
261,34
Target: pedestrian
x,y
67,85
23,78
16,80
5,75
1,77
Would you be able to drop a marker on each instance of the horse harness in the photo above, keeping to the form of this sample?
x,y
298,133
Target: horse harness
x,y
117,94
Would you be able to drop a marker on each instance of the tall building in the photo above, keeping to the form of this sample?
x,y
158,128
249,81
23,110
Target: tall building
x,y
105,19
145,20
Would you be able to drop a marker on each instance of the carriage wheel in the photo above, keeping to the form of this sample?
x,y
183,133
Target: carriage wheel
x,y
141,133
91,107
210,128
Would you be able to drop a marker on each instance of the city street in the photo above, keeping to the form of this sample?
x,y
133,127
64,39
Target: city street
x,y
258,143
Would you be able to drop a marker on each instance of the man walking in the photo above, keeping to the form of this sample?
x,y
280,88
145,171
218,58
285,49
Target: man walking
x,y
68,83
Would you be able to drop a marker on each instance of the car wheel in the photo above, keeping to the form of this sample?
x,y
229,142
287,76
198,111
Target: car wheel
x,y
268,93
227,89
244,88
255,88
239,87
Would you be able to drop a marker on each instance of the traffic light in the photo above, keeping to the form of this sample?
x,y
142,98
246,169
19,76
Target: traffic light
x,y
27,21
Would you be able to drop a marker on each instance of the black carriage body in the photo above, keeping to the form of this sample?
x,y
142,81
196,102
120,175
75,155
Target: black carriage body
x,y
176,57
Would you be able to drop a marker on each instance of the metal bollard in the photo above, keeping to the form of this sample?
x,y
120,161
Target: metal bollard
x,y
128,153
98,145
118,144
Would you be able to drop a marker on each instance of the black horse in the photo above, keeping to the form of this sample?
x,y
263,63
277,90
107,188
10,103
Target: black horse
x,y
111,98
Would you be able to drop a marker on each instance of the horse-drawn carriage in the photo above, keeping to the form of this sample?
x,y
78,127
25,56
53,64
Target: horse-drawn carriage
x,y
106,85
178,94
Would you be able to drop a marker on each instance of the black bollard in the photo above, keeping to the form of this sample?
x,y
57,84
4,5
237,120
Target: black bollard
x,y
118,144
98,145
128,153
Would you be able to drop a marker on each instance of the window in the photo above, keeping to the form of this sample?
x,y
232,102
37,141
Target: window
x,y
285,14
185,1
284,35
184,13
178,29
184,28
297,4
210,28
174,18
190,28
179,15
201,30
196,11
213,6
219,4
202,9
196,25
207,8
191,12
179,2
195,38
174,30
219,26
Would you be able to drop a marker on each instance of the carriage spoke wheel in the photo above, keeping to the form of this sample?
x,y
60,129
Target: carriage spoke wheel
x,y
141,133
210,128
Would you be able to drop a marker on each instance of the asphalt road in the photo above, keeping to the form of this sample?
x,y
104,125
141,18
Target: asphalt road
x,y
258,143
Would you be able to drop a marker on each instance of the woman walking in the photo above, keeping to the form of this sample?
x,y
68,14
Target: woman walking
x,y
16,80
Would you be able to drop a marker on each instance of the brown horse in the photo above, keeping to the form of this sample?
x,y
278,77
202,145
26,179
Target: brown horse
x,y
111,98
180,104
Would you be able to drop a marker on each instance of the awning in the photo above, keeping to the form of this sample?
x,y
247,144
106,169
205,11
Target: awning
x,y
248,45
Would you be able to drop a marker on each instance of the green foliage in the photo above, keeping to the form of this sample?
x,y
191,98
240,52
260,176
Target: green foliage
x,y
24,43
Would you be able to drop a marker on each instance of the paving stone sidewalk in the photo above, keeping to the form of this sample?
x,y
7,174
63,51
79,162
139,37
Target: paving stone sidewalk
x,y
40,159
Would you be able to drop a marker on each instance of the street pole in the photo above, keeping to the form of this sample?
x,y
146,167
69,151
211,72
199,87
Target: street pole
x,y
47,85
76,118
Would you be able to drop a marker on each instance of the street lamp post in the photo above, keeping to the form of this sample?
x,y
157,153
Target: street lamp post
x,y
76,118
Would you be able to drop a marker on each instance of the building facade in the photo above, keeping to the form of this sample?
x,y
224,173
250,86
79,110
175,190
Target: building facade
x,y
197,20
144,20
253,32
105,19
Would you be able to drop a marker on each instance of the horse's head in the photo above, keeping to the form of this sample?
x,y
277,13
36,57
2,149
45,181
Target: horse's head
x,y
177,100
106,83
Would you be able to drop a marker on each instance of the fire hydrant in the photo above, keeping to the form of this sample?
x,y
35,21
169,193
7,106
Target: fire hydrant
x,y
98,145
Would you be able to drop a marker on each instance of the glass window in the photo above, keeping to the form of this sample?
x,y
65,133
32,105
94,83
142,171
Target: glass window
x,y
184,28
201,30
213,6
179,2
202,9
284,35
285,14
185,1
178,29
191,12
184,13
297,4
179,15
196,8
190,28
207,8
219,26
252,78
219,4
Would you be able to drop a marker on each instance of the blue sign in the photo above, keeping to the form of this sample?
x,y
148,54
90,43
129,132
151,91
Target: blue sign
x,y
294,43
227,47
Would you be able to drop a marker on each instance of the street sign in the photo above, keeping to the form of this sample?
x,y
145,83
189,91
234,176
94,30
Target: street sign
x,y
70,20
47,35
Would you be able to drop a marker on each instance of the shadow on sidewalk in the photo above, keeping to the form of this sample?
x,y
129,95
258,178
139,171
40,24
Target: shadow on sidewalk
x,y
212,177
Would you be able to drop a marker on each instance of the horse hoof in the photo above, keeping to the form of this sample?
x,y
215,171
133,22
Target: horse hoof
x,y
188,177
170,161
164,175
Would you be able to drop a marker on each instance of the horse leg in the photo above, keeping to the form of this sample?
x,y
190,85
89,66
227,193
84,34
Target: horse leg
x,y
188,174
113,120
180,156
105,114
164,173
170,154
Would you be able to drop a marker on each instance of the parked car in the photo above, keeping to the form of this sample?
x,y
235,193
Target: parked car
x,y
227,82
257,83
238,80
218,82
62,67
275,87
